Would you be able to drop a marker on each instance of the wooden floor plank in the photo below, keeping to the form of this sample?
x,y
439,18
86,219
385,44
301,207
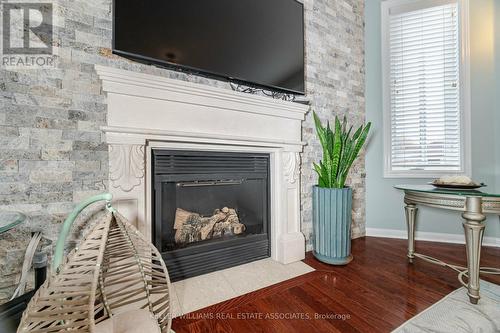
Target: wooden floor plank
x,y
379,291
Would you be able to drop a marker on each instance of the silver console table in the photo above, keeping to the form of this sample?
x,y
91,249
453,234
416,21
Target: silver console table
x,y
473,204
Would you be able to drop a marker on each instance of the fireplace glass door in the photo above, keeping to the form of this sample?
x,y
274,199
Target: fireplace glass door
x,y
211,209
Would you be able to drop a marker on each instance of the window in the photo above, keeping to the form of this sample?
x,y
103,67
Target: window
x,y
425,87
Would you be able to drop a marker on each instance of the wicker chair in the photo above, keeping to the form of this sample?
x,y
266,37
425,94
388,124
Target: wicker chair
x,y
114,271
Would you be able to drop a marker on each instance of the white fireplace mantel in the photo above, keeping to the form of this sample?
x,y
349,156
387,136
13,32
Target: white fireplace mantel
x,y
147,112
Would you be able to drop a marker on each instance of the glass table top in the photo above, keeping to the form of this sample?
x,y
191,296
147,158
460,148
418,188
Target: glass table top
x,y
9,219
486,191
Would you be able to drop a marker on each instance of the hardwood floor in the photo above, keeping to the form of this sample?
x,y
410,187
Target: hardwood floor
x,y
376,292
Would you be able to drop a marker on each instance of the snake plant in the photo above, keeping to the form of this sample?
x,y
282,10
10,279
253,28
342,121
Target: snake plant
x,y
340,149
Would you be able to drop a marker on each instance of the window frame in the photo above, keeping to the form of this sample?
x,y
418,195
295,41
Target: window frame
x,y
464,89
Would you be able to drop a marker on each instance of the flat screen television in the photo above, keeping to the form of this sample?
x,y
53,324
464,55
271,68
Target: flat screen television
x,y
257,42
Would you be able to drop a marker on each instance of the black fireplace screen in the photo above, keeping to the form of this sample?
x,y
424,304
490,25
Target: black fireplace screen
x,y
211,209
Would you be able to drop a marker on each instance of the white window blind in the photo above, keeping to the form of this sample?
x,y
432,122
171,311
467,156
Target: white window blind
x,y
425,117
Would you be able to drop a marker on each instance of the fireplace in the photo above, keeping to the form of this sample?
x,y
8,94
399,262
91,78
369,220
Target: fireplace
x,y
211,209
148,113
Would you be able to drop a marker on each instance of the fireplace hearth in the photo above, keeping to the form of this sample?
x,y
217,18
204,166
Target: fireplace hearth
x,y
211,209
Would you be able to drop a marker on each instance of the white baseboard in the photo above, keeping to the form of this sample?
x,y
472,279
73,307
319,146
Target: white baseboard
x,y
429,236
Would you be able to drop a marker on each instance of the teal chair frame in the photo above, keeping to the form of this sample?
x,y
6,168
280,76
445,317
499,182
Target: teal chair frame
x,y
68,223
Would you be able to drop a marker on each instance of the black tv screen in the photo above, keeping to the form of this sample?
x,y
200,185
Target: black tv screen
x,y
260,42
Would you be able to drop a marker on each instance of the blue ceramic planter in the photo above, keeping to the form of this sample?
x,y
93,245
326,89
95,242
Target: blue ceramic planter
x,y
332,225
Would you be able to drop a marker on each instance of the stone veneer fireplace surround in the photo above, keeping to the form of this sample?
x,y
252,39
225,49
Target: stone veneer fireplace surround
x,y
147,112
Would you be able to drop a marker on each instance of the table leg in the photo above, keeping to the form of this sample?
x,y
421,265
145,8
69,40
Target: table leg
x,y
411,218
474,230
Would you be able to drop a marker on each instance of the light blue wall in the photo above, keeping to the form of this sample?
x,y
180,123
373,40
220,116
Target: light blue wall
x,y
384,204
497,102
